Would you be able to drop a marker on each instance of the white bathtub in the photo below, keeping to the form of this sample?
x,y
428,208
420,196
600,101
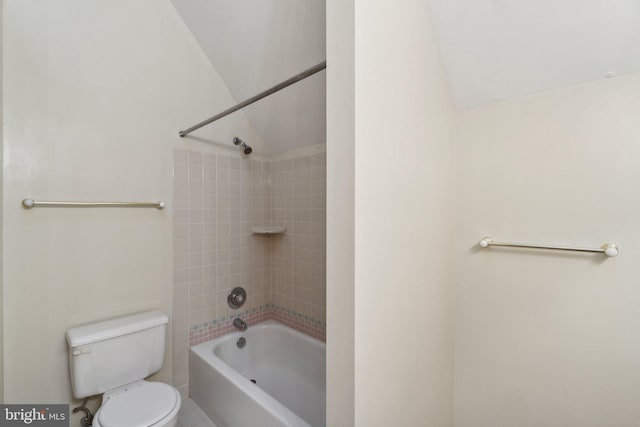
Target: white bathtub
x,y
289,370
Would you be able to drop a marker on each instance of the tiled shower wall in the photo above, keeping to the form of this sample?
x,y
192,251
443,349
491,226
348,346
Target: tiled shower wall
x,y
297,259
217,199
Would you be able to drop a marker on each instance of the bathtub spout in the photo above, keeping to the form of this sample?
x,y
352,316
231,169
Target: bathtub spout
x,y
240,324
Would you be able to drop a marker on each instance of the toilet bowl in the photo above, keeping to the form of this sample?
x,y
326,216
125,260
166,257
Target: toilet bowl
x,y
113,358
141,404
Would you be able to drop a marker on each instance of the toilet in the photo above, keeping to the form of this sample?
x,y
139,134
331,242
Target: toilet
x,y
113,358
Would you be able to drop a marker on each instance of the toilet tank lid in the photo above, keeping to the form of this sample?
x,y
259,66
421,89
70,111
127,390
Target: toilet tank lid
x,y
94,332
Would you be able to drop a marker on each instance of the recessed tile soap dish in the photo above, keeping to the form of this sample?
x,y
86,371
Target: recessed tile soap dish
x,y
268,230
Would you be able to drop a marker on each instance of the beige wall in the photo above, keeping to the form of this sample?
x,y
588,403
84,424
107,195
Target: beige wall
x,y
340,212
95,93
404,219
549,339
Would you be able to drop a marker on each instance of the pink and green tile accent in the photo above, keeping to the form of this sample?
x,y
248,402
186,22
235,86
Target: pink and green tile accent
x,y
218,327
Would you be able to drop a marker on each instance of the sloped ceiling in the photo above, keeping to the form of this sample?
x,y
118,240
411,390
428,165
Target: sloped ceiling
x,y
492,50
256,44
499,49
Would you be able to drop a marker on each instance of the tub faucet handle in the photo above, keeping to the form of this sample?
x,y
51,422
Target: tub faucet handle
x,y
237,297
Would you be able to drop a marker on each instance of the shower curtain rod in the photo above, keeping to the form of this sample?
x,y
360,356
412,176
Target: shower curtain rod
x,y
303,75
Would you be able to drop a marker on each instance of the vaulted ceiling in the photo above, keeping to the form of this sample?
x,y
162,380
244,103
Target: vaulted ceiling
x,y
500,49
491,49
256,44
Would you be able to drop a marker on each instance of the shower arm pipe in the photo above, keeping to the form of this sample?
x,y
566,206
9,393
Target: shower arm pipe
x,y
608,249
303,75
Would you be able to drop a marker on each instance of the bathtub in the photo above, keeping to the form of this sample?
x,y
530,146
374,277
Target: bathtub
x,y
287,366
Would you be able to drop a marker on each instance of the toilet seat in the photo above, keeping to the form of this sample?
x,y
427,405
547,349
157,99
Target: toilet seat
x,y
140,404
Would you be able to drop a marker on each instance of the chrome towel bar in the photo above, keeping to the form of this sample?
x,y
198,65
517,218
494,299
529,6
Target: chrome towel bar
x,y
607,249
31,203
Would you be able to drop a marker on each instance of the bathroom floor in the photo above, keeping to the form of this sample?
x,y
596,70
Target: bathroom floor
x,y
192,416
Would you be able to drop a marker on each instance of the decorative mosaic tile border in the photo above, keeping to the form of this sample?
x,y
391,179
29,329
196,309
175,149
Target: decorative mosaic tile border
x,y
223,326
299,322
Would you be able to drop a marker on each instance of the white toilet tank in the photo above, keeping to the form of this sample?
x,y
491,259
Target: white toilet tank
x,y
112,353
